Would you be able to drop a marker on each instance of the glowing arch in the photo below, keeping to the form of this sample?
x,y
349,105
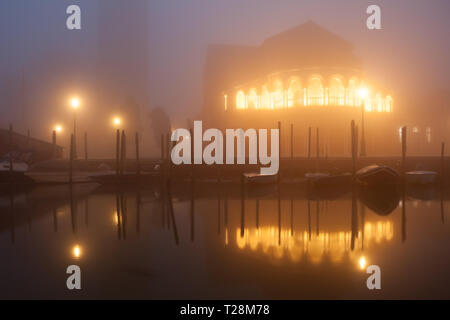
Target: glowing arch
x,y
352,96
336,93
265,98
240,100
315,91
295,93
252,99
388,104
379,103
277,94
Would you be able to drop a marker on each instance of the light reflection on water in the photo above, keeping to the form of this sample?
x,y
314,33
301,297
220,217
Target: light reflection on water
x,y
218,245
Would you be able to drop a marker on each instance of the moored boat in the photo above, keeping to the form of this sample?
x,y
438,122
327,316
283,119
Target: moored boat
x,y
421,177
376,175
260,179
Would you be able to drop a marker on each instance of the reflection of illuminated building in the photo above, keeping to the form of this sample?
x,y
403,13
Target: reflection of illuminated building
x,y
314,247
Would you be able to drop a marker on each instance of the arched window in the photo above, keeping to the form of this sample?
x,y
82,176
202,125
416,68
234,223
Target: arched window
x,y
278,94
315,91
388,104
253,99
336,92
295,93
379,103
352,97
240,100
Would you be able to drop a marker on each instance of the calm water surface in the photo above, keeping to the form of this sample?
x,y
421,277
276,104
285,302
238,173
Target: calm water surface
x,y
212,243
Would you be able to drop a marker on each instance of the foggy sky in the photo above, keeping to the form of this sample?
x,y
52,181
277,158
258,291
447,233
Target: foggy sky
x,y
409,56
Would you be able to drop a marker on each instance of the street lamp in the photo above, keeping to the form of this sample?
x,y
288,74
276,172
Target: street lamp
x,y
117,121
363,94
75,104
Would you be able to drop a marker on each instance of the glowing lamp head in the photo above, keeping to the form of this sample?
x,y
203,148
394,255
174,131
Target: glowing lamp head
x,y
363,93
58,128
75,103
117,121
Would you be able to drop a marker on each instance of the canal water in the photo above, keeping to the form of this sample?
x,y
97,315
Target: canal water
x,y
205,242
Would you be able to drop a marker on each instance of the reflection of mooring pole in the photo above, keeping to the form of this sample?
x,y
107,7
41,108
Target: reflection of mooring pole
x,y
192,211
403,216
12,215
242,207
172,215
309,219
403,184
73,211
138,212
257,214
123,207
292,217
55,220
317,217
119,232
354,219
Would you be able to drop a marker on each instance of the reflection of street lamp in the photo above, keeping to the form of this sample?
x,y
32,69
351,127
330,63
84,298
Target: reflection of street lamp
x,y
76,252
363,93
75,103
362,263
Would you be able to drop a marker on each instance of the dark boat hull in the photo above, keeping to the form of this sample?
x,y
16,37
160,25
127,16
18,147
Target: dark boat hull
x,y
377,176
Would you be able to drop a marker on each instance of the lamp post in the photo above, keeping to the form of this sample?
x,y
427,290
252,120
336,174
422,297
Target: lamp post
x,y
74,103
363,93
116,123
56,130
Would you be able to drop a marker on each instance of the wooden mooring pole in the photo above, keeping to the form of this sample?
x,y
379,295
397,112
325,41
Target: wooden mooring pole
x,y
85,146
71,156
117,152
292,141
123,153
138,161
309,143
404,130
279,145
354,147
54,144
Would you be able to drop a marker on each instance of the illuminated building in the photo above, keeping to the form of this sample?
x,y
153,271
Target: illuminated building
x,y
306,76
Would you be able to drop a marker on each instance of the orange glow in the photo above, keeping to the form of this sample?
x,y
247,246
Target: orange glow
x,y
58,128
75,103
318,92
314,247
117,121
362,263
76,252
